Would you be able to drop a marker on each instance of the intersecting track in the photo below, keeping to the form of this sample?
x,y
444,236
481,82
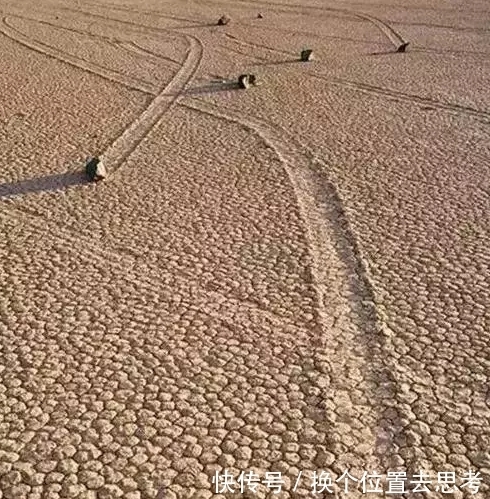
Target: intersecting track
x,y
133,83
366,88
138,49
141,28
387,30
124,8
130,46
318,201
125,144
383,26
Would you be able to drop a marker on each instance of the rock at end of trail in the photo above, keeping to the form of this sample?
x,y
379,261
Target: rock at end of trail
x,y
246,80
403,47
306,55
95,169
223,21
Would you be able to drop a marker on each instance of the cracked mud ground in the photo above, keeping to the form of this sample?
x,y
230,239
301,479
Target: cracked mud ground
x,y
289,279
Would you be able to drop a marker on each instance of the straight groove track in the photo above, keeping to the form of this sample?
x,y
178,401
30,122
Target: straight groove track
x,y
132,47
371,89
126,143
132,83
138,49
123,8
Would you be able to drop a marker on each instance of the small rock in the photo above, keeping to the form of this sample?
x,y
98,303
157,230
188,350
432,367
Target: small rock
x,y
402,47
260,16
246,80
306,55
95,169
223,20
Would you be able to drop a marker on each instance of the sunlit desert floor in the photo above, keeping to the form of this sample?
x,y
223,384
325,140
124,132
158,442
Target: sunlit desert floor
x,y
293,278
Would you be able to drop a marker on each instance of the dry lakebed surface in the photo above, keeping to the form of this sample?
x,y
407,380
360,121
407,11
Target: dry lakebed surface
x,y
278,291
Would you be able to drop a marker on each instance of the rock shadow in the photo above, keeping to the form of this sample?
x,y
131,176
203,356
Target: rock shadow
x,y
212,87
383,52
280,63
48,183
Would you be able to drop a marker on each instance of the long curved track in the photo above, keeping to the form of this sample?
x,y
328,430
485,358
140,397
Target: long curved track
x,y
153,349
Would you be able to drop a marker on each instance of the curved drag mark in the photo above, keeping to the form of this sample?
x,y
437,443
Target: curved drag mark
x,y
400,96
321,36
113,76
333,246
128,46
138,49
126,143
366,88
451,52
387,30
442,26
124,8
140,28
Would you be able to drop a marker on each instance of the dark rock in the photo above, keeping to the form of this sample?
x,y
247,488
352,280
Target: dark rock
x,y
402,47
306,55
244,81
260,16
223,20
95,169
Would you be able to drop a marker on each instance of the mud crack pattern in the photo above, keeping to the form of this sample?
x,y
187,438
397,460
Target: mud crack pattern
x,y
293,278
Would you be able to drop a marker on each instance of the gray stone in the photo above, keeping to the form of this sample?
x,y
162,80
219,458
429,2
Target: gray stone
x,y
95,169
223,20
402,47
306,55
246,80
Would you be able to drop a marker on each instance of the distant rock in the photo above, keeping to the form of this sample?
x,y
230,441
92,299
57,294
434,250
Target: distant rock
x,y
260,16
246,80
95,169
403,47
306,55
223,20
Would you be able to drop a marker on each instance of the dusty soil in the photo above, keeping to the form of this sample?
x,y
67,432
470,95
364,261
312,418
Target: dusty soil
x,y
292,278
